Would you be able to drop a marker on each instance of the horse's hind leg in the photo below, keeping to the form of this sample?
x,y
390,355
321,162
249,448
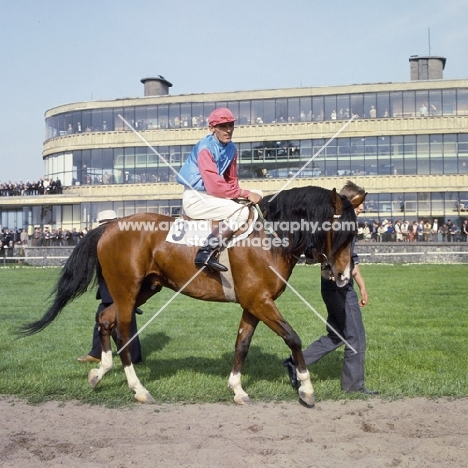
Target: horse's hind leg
x,y
106,320
247,327
123,340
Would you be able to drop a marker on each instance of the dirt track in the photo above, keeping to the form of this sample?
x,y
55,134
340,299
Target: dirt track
x,y
407,433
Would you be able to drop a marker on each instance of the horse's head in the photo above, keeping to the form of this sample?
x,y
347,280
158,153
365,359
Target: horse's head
x,y
334,252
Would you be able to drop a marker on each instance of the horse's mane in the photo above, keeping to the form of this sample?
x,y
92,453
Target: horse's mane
x,y
304,205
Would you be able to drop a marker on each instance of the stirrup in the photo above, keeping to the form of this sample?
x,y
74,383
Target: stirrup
x,y
211,262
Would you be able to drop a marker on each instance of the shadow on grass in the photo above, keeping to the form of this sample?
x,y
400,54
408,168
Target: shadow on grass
x,y
153,342
328,368
261,368
259,364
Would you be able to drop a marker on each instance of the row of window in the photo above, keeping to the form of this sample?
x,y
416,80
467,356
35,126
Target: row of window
x,y
384,155
80,216
396,104
404,206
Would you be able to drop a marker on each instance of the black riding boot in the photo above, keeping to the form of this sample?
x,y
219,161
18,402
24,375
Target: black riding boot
x,y
207,254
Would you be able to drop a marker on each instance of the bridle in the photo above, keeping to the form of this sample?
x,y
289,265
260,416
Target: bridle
x,y
313,256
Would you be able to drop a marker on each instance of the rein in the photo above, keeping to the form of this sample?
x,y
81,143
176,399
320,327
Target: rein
x,y
266,225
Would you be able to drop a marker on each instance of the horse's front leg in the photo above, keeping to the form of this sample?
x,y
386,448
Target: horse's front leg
x,y
106,321
247,327
306,390
271,316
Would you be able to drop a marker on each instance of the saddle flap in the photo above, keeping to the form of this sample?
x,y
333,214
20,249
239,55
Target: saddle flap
x,y
193,232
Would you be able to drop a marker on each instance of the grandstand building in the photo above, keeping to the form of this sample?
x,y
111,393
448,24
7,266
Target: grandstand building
x,y
407,144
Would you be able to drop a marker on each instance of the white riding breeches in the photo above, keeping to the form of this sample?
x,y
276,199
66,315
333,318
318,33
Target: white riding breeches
x,y
200,205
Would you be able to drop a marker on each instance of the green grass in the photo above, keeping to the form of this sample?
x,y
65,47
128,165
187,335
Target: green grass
x,y
415,323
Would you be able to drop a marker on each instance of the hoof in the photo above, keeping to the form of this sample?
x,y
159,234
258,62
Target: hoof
x,y
93,378
243,400
307,400
145,398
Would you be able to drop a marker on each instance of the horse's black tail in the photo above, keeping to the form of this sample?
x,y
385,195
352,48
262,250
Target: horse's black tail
x,y
75,277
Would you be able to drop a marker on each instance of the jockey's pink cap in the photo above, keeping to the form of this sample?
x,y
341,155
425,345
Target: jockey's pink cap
x,y
220,116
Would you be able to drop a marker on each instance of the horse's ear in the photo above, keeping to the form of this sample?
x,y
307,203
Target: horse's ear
x,y
337,202
356,201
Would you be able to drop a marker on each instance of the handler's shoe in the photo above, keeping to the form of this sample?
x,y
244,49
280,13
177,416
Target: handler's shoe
x,y
289,364
366,391
88,358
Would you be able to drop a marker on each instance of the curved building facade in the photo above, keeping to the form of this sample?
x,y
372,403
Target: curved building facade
x,y
406,143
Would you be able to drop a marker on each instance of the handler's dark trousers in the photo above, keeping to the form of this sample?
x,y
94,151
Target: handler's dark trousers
x,y
344,315
135,347
106,300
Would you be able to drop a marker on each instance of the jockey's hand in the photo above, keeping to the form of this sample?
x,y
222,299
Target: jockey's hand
x,y
254,197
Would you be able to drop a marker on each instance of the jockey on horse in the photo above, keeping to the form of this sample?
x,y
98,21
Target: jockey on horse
x,y
211,186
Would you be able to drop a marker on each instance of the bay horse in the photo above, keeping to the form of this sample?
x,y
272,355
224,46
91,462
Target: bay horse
x,y
137,263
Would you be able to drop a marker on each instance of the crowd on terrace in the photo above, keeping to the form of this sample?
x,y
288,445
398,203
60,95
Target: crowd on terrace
x,y
405,231
40,187
12,242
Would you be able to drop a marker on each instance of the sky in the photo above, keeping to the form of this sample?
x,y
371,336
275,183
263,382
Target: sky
x,y
58,52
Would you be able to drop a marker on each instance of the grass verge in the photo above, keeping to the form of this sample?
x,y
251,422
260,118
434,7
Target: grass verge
x,y
415,324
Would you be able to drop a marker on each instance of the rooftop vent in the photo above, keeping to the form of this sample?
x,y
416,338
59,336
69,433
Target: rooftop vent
x,y
156,85
427,68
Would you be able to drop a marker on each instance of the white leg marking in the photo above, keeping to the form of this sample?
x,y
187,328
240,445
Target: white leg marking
x,y
306,384
106,360
306,391
96,375
240,396
141,394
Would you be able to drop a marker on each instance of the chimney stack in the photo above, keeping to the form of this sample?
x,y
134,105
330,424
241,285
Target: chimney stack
x,y
427,68
156,85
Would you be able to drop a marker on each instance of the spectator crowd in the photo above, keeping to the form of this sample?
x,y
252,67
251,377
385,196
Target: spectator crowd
x,y
404,231
41,187
13,242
